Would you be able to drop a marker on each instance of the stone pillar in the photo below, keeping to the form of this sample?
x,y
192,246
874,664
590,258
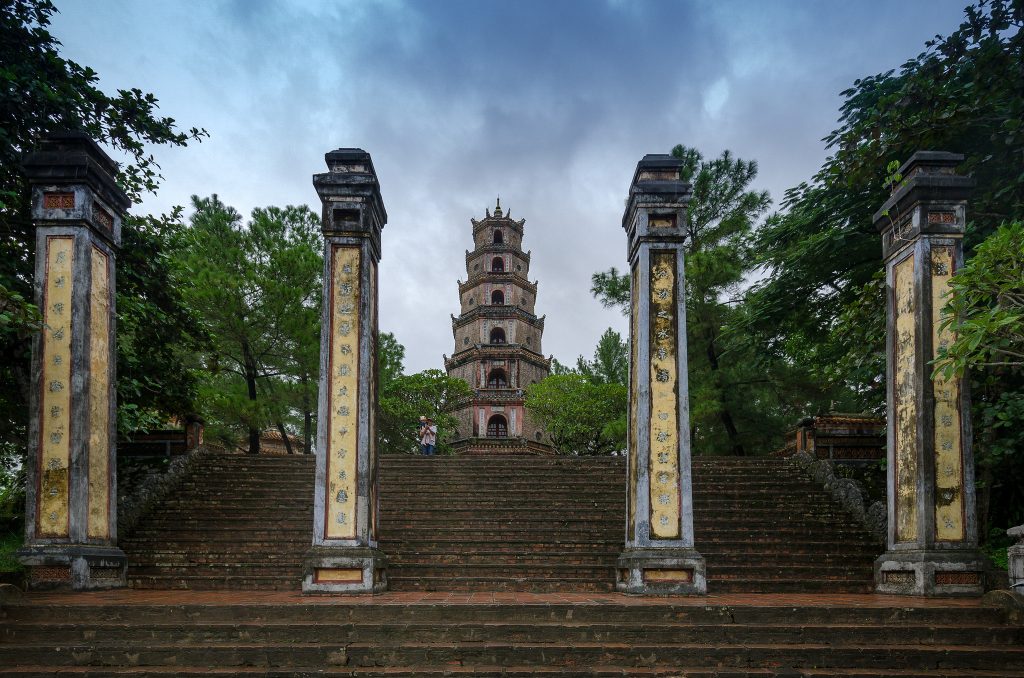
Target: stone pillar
x,y
659,556
933,533
344,557
71,492
1015,555
194,427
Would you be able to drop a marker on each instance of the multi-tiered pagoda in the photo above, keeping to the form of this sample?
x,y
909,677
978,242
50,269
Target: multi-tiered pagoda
x,y
497,342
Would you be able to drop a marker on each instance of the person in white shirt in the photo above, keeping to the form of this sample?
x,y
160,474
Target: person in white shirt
x,y
428,436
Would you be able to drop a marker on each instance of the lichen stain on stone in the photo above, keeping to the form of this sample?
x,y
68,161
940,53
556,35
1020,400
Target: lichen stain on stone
x,y
945,496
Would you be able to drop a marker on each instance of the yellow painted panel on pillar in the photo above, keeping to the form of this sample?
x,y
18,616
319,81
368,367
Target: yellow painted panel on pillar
x,y
343,400
668,575
905,397
665,495
949,467
372,437
99,397
55,403
338,575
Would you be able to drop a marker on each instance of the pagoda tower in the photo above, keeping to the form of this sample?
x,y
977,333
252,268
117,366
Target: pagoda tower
x,y
498,343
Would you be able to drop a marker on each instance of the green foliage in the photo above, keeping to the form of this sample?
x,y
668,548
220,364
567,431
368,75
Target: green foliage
x,y
821,304
10,542
742,398
41,92
256,289
611,360
611,288
581,416
157,332
405,398
390,358
964,94
987,307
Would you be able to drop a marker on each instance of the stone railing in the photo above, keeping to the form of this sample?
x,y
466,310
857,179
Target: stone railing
x,y
138,500
848,493
1015,556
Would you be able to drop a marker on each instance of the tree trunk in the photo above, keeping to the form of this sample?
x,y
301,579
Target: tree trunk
x,y
725,416
250,384
284,436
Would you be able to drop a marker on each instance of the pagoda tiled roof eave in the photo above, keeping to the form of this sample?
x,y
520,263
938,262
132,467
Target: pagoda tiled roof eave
x,y
494,249
497,312
498,222
487,276
497,351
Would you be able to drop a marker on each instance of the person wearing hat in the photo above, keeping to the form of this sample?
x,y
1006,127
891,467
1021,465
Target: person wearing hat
x,y
428,436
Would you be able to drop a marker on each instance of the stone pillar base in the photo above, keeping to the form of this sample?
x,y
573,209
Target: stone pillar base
x,y
930,573
661,571
75,567
344,569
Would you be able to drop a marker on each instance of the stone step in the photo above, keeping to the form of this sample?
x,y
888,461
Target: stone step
x,y
485,671
499,584
216,583
497,653
300,631
873,611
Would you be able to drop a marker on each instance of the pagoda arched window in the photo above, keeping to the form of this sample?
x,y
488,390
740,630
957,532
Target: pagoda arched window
x,y
498,238
498,265
497,427
497,378
497,298
497,336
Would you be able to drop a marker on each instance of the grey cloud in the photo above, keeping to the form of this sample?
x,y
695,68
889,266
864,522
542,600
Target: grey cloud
x,y
549,103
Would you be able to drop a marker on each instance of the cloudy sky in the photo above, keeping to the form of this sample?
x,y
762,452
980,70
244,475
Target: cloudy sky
x,y
549,104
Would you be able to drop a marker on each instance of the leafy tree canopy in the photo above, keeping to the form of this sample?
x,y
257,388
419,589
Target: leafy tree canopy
x,y
256,289
986,307
405,398
964,93
43,92
581,417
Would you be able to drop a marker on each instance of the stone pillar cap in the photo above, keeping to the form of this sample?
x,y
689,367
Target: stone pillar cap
x,y
931,162
73,157
927,175
657,176
349,161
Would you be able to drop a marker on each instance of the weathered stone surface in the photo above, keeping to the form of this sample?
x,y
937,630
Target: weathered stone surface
x,y
1015,555
847,492
932,527
659,505
608,635
71,466
345,500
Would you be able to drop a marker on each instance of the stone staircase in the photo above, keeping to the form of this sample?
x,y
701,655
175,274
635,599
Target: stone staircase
x,y
499,530
397,635
499,523
236,522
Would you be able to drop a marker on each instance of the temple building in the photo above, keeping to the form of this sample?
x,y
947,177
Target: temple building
x,y
498,343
